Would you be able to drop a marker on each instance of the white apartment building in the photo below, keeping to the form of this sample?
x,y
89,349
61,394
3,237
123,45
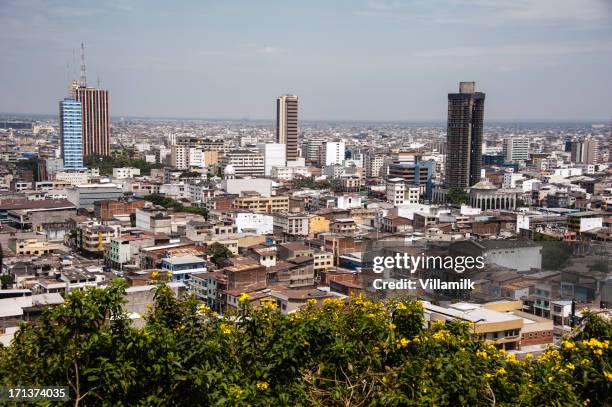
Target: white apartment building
x,y
125,172
296,225
333,152
245,163
516,149
179,156
374,164
73,178
396,191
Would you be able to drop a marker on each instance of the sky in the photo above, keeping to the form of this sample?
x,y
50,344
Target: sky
x,y
346,60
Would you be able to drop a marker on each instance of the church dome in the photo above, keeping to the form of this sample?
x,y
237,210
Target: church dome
x,y
484,185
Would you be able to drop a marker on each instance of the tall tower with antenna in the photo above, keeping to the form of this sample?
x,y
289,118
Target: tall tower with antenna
x,y
96,115
83,68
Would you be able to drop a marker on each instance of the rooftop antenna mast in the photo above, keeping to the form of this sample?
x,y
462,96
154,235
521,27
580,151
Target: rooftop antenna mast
x,y
83,73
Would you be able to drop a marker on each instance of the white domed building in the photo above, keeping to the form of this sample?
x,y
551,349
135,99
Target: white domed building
x,y
229,172
486,196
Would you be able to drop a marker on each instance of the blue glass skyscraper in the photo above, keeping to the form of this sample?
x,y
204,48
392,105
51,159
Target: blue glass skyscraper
x,y
71,130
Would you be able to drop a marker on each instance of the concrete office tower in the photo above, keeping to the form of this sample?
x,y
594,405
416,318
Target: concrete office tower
x,y
516,149
464,136
71,132
590,151
374,164
287,125
312,150
585,151
332,153
274,156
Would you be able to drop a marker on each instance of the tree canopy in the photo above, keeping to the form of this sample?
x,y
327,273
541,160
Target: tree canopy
x,y
358,352
170,203
457,196
106,163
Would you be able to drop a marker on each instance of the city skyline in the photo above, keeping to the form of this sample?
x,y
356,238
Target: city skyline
x,y
357,62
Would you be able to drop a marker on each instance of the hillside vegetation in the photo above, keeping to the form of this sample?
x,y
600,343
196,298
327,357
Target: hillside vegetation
x,y
338,354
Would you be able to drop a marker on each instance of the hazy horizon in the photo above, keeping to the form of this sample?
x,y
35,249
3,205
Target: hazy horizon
x,y
370,60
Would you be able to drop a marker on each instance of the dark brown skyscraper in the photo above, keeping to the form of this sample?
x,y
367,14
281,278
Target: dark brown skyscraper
x,y
287,124
464,136
96,120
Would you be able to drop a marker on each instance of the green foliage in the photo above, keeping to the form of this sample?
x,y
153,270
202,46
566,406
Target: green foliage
x,y
5,281
555,255
190,174
457,196
310,183
218,253
133,219
337,353
106,163
170,203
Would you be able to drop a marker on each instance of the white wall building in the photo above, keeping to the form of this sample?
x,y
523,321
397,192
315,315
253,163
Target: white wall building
x,y
261,223
274,156
125,172
333,152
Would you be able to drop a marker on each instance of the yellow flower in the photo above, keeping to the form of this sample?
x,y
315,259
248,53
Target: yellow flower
x,y
402,343
488,375
510,358
598,352
482,354
401,306
226,329
311,301
392,326
204,308
244,297
501,371
568,345
528,356
270,305
570,366
263,386
586,402
154,274
149,306
169,274
441,335
608,376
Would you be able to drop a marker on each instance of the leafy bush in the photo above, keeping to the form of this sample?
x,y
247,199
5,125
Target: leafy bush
x,y
361,352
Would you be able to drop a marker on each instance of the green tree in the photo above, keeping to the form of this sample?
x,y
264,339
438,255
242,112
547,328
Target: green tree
x,y
457,196
555,255
218,253
5,281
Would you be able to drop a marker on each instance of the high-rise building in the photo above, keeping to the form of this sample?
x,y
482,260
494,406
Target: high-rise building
x,y
71,132
464,136
333,152
374,164
516,149
96,119
287,125
312,150
590,151
585,151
